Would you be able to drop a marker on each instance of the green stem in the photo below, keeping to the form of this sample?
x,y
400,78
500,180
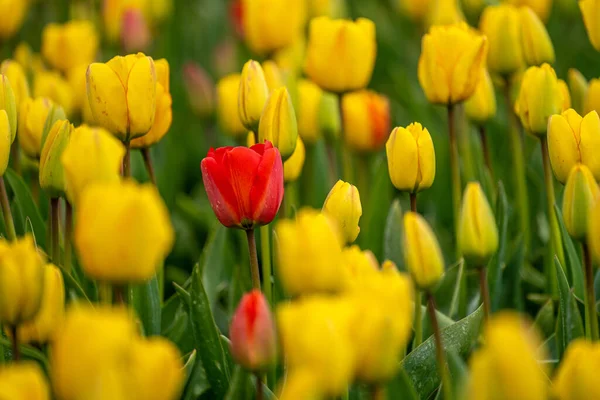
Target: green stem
x,y
54,232
11,234
105,293
332,160
418,319
127,159
265,252
119,290
259,387
439,349
15,156
362,178
590,305
149,166
348,170
413,202
290,199
463,134
485,293
487,158
68,236
378,392
16,352
455,171
254,272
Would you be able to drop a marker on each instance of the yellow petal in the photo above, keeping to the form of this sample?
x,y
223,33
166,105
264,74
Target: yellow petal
x,y
106,95
141,96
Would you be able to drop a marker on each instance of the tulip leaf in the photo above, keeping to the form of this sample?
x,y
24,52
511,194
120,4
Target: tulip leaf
x,y
572,260
570,325
189,365
145,300
459,373
392,243
497,262
241,386
27,352
216,271
197,384
544,320
401,387
420,364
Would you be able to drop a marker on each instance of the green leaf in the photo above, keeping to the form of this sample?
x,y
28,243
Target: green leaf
x,y
459,374
241,385
420,364
189,366
145,300
497,262
544,320
392,242
197,383
572,260
570,325
217,271
401,387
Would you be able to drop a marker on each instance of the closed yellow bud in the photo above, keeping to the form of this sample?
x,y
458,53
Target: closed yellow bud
x,y
52,174
227,106
23,55
580,194
366,116
123,231
309,254
292,167
310,96
23,381
32,118
341,54
578,87
576,377
502,26
411,158
591,10
535,41
422,252
444,12
593,236
52,85
49,319
330,120
253,94
273,75
21,281
566,96
450,63
122,95
592,98
477,230
78,82
69,45
540,7
5,141
417,10
17,78
8,104
343,206
481,107
573,140
278,123
14,12
539,98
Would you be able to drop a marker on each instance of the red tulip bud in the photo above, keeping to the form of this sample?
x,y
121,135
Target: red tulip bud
x,y
200,89
253,333
135,34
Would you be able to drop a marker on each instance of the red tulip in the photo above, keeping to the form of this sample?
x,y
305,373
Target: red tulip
x,y
244,185
252,333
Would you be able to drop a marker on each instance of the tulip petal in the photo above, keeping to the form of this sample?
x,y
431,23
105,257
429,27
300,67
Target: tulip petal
x,y
141,96
590,143
220,193
267,189
562,147
106,95
240,165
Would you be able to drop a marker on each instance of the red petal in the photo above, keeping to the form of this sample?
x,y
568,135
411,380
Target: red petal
x,y
240,164
220,193
267,189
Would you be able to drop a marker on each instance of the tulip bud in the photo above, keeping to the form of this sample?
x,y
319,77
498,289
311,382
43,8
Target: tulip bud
x,y
535,41
481,107
21,281
252,333
52,85
69,45
273,75
135,32
366,117
575,378
592,98
502,26
4,141
330,120
23,381
52,175
540,7
17,10
32,118
55,114
578,86
18,80
477,230
278,123
200,90
444,12
589,10
292,168
593,236
539,98
416,9
227,106
566,96
310,100
411,158
253,95
343,206
580,193
422,252
8,104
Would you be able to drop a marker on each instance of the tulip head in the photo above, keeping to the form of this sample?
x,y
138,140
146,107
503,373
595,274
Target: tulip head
x,y
292,167
200,90
227,106
32,118
590,11
15,12
69,45
310,97
9,104
366,118
343,206
576,376
566,96
411,158
592,98
535,41
76,77
541,8
23,380
581,191
578,87
253,94
18,80
52,175
273,75
253,338
5,141
502,26
481,106
278,123
52,85
135,32
422,252
444,12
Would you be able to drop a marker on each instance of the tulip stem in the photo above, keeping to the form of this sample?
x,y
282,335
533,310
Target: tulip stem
x,y
8,219
332,159
149,166
259,387
15,156
378,392
255,273
119,291
418,319
485,293
54,231
590,305
68,236
16,352
486,151
455,171
439,349
413,202
265,252
127,159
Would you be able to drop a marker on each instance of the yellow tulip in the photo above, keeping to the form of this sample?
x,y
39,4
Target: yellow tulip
x,y
123,231
477,230
291,57
24,56
309,254
52,174
573,140
578,87
14,12
411,158
253,94
360,265
272,24
422,252
481,106
309,106
21,281
502,26
592,98
542,8
341,54
46,323
591,10
566,96
18,80
8,104
292,167
576,377
273,75
581,191
227,106
417,10
535,41
278,123
52,85
366,116
540,97
69,45
5,141
343,206
76,78
450,63
122,95
593,236
444,12
23,381
32,117
330,8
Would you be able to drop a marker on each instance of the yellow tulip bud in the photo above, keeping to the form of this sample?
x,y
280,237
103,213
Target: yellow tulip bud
x,y
14,12
48,320
535,41
481,107
422,252
360,265
253,94
23,55
590,10
580,193
539,98
341,54
17,78
593,236
573,140
309,254
52,174
310,97
416,10
444,12
32,118
23,381
366,117
477,230
330,120
445,79
123,231
273,75
578,86
122,95
69,45
278,123
77,80
227,106
343,206
502,26
592,98
540,7
8,104
576,377
5,141
92,156
21,281
411,158
292,168
52,85
566,96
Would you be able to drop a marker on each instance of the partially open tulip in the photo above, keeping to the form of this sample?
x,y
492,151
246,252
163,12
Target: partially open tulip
x,y
14,12
52,174
123,231
292,167
69,45
52,85
92,156
341,54
411,158
253,94
591,10
481,106
252,331
578,87
23,381
576,377
278,123
9,104
450,63
200,89
309,106
343,206
502,26
566,95
32,118
535,41
17,78
5,141
227,106
477,230
122,95
422,252
244,185
366,117
581,191
444,12
592,98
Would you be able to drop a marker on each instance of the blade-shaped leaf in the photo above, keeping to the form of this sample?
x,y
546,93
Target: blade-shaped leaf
x,y
392,242
570,325
497,262
572,260
145,300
